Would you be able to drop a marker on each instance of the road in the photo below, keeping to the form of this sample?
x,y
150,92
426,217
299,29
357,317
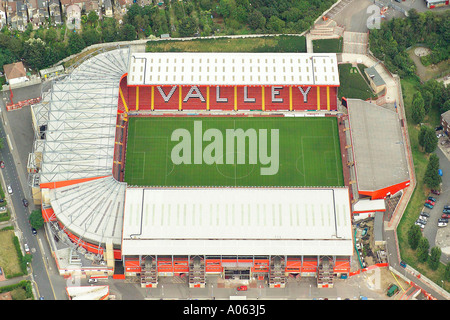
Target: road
x,y
14,174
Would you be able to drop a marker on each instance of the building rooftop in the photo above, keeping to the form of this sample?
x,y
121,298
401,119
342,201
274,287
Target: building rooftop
x,y
375,76
237,221
233,68
14,70
446,116
379,151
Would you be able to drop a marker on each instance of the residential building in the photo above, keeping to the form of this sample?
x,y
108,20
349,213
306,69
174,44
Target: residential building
x,y
15,73
54,9
108,9
445,122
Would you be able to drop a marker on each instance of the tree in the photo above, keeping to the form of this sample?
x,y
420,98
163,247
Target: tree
x,y
75,43
109,30
445,106
34,52
427,139
141,23
422,249
414,235
434,258
128,33
187,27
275,24
447,272
432,178
417,108
91,36
428,100
50,35
36,219
256,20
92,18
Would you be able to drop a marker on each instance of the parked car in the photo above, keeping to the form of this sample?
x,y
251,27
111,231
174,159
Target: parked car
x,y
417,223
403,264
10,189
2,209
446,211
443,220
33,231
27,249
431,202
93,280
445,216
436,192
429,206
442,224
432,199
242,288
2,165
25,202
422,221
425,214
446,207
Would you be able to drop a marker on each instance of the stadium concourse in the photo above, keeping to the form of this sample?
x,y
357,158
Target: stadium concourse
x,y
104,227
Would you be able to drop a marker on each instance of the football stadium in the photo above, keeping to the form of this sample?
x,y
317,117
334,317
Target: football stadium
x,y
240,165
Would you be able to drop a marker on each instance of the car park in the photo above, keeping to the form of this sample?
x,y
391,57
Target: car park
x,y
429,206
436,192
10,191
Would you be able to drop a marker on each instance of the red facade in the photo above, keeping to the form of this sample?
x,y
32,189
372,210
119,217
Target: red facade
x,y
266,98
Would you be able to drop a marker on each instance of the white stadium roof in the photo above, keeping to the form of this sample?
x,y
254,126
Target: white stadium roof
x,y
237,221
233,68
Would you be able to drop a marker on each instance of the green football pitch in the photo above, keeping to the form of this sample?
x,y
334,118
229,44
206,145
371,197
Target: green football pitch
x,y
308,152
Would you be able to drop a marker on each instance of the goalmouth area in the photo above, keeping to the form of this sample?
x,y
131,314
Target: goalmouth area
x,y
233,151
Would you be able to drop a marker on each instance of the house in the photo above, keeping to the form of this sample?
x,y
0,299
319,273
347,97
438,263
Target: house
x,y
37,12
54,9
107,6
445,122
22,14
65,4
92,5
15,73
2,16
376,81
122,5
11,12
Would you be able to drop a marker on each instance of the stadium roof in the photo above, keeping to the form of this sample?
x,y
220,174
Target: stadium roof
x,y
91,210
79,116
233,68
237,221
380,156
